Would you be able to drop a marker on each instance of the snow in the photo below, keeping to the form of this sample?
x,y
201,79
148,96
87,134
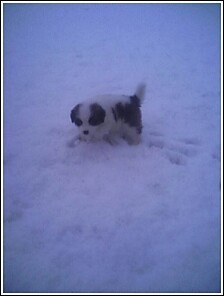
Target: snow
x,y
100,218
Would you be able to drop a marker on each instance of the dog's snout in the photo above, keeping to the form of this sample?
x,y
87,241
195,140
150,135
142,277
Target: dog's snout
x,y
85,132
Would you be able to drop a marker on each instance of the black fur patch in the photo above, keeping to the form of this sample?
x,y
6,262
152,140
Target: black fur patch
x,y
114,114
75,115
130,113
135,100
97,114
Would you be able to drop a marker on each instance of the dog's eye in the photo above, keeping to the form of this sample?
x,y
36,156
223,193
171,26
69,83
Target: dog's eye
x,y
78,121
94,121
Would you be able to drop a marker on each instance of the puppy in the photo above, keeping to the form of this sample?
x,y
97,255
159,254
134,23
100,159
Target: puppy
x,y
107,117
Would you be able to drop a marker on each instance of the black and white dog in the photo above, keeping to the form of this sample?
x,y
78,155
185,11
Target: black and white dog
x,y
109,116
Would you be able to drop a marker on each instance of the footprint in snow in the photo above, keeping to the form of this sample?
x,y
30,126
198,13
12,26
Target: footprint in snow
x,y
176,151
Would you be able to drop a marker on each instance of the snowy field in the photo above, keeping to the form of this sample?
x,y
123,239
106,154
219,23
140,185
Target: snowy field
x,y
103,218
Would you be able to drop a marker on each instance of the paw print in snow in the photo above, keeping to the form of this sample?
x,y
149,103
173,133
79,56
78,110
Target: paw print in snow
x,y
176,151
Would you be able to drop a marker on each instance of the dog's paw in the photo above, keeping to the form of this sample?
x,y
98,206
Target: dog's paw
x,y
73,142
110,140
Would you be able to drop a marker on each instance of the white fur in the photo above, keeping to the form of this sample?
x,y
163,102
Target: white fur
x,y
110,129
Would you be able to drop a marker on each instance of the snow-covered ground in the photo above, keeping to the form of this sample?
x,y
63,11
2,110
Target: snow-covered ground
x,y
102,218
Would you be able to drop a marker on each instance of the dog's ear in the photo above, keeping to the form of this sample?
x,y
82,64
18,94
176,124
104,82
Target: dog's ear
x,y
97,114
74,113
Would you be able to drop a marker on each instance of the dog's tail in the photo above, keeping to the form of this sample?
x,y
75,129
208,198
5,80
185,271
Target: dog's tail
x,y
140,91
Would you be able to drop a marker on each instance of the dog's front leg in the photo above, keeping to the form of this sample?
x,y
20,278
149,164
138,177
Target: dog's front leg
x,y
74,142
111,139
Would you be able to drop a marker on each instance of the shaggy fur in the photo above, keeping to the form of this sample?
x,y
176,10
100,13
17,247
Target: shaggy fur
x,y
110,116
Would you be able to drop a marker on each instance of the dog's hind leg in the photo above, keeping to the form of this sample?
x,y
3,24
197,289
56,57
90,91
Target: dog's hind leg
x,y
132,136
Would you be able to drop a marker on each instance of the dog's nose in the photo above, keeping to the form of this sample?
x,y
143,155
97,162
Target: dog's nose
x,y
85,132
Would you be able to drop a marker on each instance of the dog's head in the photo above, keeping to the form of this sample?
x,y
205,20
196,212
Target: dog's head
x,y
88,118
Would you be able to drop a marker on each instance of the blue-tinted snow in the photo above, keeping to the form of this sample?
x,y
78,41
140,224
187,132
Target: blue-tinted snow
x,y
101,218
